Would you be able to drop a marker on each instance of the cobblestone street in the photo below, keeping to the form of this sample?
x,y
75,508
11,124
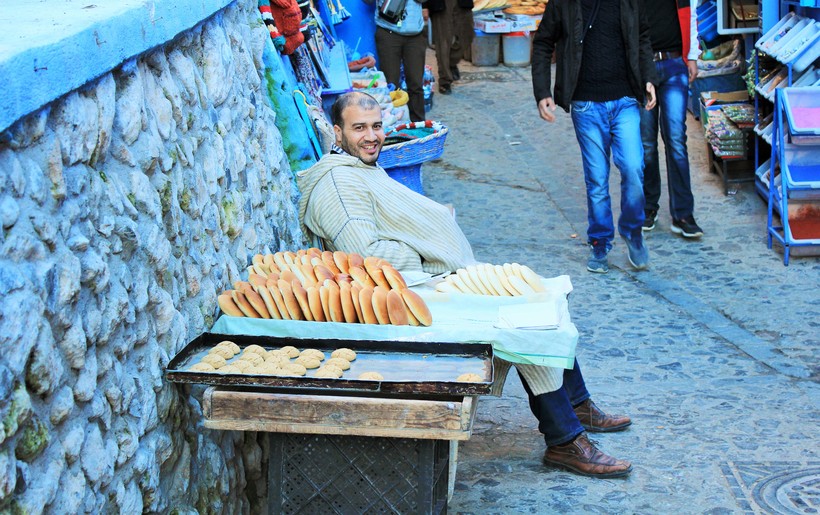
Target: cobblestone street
x,y
712,351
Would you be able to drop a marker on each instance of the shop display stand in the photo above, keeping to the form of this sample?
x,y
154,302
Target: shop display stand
x,y
794,194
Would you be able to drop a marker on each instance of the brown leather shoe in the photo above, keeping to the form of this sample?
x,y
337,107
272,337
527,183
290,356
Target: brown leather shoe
x,y
582,457
596,421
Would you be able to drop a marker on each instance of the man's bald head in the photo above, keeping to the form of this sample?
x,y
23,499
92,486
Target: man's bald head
x,y
353,98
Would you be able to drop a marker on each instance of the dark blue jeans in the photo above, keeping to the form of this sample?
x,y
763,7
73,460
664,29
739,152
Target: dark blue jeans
x,y
605,129
669,115
554,410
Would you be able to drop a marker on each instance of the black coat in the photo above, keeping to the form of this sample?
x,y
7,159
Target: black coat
x,y
560,32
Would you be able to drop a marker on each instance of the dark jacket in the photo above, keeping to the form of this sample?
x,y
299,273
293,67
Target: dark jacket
x,y
560,32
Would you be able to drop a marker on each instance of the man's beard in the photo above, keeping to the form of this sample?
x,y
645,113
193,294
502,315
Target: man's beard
x,y
357,151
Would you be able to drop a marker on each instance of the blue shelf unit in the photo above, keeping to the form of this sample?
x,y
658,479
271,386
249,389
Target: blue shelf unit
x,y
794,194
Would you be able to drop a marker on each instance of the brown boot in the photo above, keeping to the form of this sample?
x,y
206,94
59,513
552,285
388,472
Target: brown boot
x,y
582,457
596,421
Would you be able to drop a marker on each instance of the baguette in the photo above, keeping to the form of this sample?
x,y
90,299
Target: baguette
x,y
396,311
228,306
417,306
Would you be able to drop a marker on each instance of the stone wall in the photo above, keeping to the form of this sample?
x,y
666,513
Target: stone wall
x,y
126,206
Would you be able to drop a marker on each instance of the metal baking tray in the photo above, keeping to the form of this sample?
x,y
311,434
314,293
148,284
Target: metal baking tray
x,y
428,368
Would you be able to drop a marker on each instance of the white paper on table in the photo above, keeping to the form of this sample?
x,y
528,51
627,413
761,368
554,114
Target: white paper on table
x,y
535,315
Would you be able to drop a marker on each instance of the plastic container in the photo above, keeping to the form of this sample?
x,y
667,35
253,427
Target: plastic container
x,y
517,48
485,49
802,106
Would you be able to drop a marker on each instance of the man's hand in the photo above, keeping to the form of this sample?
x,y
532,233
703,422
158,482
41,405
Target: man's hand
x,y
650,96
546,109
693,70
425,14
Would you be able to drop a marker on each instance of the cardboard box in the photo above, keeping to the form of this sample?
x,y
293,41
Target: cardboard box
x,y
492,25
522,22
732,97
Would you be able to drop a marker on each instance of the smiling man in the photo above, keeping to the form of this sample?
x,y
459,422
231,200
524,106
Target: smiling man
x,y
351,203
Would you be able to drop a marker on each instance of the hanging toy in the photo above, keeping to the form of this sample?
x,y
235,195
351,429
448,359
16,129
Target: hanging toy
x,y
267,17
288,17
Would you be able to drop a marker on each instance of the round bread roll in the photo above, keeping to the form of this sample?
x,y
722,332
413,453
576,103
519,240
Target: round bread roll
x,y
256,349
379,301
373,261
267,259
291,303
240,364
290,350
355,288
333,300
223,352
261,270
313,353
457,283
469,378
229,344
202,367
481,272
257,302
307,361
294,369
214,360
279,300
280,359
302,298
446,287
417,306
250,357
393,277
315,303
268,368
360,276
289,276
327,259
477,283
314,252
328,372
411,318
396,311
308,274
272,280
517,270
270,304
532,279
258,259
243,304
343,278
354,259
290,257
343,364
495,282
344,353
340,258
371,376
508,269
322,273
366,305
228,306
229,369
348,309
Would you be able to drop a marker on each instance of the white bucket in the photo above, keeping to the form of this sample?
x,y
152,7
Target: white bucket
x,y
517,48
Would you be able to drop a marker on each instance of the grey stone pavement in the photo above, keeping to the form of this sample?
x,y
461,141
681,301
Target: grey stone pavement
x,y
712,351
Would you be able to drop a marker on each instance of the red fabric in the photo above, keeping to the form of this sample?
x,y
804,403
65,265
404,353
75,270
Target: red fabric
x,y
683,20
288,18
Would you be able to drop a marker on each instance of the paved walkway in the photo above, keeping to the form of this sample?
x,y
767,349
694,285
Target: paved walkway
x,y
712,351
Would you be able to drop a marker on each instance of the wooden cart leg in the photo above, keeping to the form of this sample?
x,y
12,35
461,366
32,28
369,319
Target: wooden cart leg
x,y
451,474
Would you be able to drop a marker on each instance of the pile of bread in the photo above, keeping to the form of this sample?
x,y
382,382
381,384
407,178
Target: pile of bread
x,y
325,286
482,5
509,279
529,7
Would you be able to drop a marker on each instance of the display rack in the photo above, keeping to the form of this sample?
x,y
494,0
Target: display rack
x,y
788,52
794,193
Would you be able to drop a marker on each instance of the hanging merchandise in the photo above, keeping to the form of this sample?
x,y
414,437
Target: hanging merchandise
x,y
342,11
306,74
267,17
287,19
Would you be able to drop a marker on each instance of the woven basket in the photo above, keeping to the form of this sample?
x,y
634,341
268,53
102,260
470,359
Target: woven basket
x,y
409,175
414,151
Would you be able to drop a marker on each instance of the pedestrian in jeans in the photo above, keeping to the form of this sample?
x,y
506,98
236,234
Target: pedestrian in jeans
x,y
674,35
604,71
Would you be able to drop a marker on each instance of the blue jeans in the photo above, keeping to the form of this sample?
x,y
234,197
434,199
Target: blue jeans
x,y
670,114
554,410
604,128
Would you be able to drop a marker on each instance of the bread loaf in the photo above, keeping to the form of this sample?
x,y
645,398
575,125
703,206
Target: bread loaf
x,y
256,280
323,297
366,305
340,258
258,303
354,259
396,310
334,300
228,306
315,303
270,304
322,272
348,308
393,277
355,288
327,259
279,300
302,298
361,276
417,306
243,304
379,301
291,304
532,278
